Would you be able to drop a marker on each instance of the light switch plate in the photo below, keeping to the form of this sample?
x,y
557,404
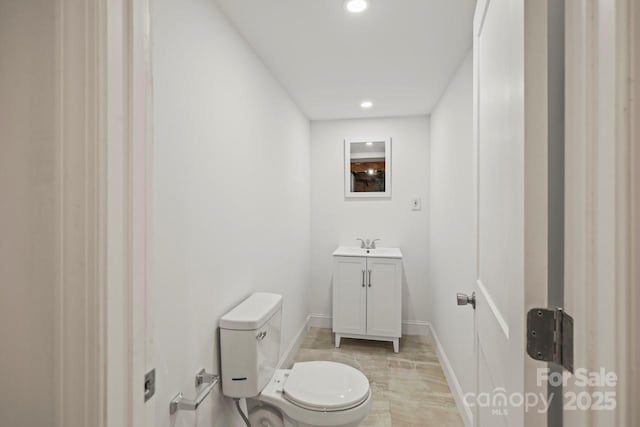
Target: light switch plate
x,y
416,204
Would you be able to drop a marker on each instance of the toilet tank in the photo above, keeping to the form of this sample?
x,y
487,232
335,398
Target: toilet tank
x,y
250,344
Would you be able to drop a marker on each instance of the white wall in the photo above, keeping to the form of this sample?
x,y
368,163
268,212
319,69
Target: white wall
x,y
27,213
336,221
452,248
232,205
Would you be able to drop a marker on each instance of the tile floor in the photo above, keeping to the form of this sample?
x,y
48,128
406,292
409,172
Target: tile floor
x,y
409,388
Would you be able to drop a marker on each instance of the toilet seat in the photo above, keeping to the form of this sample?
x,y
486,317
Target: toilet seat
x,y
310,415
325,386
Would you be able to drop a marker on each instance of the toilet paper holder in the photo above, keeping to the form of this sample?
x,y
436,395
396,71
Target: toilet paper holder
x,y
179,402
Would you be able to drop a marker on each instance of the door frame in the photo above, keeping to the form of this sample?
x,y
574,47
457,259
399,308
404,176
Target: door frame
x,y
634,288
103,199
602,202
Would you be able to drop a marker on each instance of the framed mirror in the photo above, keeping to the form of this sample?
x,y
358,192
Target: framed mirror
x,y
367,168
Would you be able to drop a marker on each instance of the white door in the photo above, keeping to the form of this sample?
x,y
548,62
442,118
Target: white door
x,y
383,297
350,295
509,108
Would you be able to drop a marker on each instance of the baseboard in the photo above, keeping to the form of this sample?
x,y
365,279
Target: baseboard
x,y
321,321
409,327
452,379
415,327
290,353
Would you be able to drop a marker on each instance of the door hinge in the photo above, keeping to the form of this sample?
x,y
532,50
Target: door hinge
x,y
550,336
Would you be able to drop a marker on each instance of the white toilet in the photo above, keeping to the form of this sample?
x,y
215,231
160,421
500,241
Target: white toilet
x,y
310,394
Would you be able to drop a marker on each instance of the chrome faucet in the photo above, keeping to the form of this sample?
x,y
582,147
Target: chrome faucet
x,y
368,244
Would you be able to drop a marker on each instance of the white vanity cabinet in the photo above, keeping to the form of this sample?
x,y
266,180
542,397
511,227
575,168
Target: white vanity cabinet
x,y
367,294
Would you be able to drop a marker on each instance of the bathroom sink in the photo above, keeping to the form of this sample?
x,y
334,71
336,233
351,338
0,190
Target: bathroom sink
x,y
372,253
349,251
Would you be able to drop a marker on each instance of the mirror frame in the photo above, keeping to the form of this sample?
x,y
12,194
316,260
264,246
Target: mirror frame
x,y
348,194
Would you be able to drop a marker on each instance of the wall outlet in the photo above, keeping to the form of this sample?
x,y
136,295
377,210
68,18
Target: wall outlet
x,y
416,204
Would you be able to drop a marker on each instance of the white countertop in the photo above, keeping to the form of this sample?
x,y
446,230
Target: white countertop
x,y
372,253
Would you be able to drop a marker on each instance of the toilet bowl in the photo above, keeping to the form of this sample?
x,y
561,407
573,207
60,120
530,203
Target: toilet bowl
x,y
316,393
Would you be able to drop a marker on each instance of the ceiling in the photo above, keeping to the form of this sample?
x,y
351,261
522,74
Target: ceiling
x,y
400,54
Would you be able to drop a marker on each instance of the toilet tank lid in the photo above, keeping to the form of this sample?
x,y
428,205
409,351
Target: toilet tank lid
x,y
253,312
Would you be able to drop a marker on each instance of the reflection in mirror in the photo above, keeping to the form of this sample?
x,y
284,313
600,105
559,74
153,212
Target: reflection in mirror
x,y
368,167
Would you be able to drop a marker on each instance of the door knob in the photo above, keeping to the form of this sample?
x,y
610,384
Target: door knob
x,y
464,299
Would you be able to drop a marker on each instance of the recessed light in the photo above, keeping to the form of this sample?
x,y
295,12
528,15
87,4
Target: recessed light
x,y
366,104
356,6
371,172
369,143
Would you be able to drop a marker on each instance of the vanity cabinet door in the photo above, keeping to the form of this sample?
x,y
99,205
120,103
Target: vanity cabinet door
x,y
384,298
349,295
